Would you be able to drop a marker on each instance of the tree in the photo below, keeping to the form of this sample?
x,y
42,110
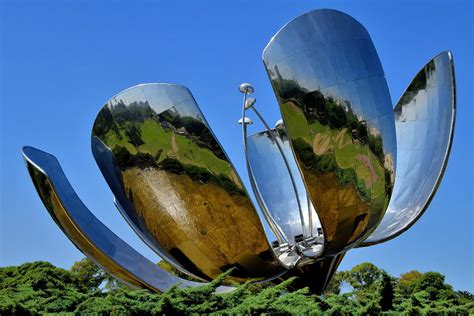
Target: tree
x,y
386,293
334,286
89,274
433,284
364,276
406,282
39,287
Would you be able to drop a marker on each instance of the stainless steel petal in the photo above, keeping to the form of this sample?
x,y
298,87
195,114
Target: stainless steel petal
x,y
274,183
424,121
337,111
88,234
175,185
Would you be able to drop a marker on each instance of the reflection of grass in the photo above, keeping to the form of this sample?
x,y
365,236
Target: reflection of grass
x,y
112,140
346,158
156,139
363,173
378,189
296,121
317,127
190,153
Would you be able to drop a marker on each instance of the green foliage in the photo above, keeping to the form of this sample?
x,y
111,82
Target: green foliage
x,y
89,275
386,292
334,285
364,277
39,287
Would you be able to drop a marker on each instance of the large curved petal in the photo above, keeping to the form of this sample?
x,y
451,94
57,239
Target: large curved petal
x,y
176,186
274,184
88,234
424,120
337,111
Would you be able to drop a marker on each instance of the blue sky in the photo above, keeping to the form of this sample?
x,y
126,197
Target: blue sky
x,y
61,61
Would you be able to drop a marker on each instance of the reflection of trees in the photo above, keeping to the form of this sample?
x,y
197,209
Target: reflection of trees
x,y
200,174
134,135
287,89
137,111
326,164
197,130
328,112
119,116
418,83
126,160
127,118
105,122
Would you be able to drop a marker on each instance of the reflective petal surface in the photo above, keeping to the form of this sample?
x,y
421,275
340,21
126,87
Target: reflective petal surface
x,y
337,111
424,120
175,185
274,184
88,234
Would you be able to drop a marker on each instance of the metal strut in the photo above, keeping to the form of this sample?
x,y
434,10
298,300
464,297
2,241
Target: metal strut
x,y
247,89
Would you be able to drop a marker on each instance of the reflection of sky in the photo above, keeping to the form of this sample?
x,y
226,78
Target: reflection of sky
x,y
268,166
128,97
420,149
161,97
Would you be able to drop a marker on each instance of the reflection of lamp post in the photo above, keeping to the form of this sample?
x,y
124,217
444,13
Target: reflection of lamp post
x,y
306,243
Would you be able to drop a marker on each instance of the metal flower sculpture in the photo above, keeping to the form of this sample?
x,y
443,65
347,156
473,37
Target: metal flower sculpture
x,y
342,169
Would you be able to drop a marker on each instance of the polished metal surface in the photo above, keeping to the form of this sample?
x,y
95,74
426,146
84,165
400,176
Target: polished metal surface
x,y
287,258
341,169
249,103
88,234
289,249
315,275
274,183
247,121
175,185
246,88
337,111
424,121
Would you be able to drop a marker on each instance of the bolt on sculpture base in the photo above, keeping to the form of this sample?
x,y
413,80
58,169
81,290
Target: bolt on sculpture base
x,y
332,175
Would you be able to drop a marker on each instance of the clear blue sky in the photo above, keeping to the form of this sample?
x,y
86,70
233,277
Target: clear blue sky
x,y
60,62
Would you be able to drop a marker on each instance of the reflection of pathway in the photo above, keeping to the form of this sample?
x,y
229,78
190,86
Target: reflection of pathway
x,y
174,146
373,176
235,179
340,140
322,143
